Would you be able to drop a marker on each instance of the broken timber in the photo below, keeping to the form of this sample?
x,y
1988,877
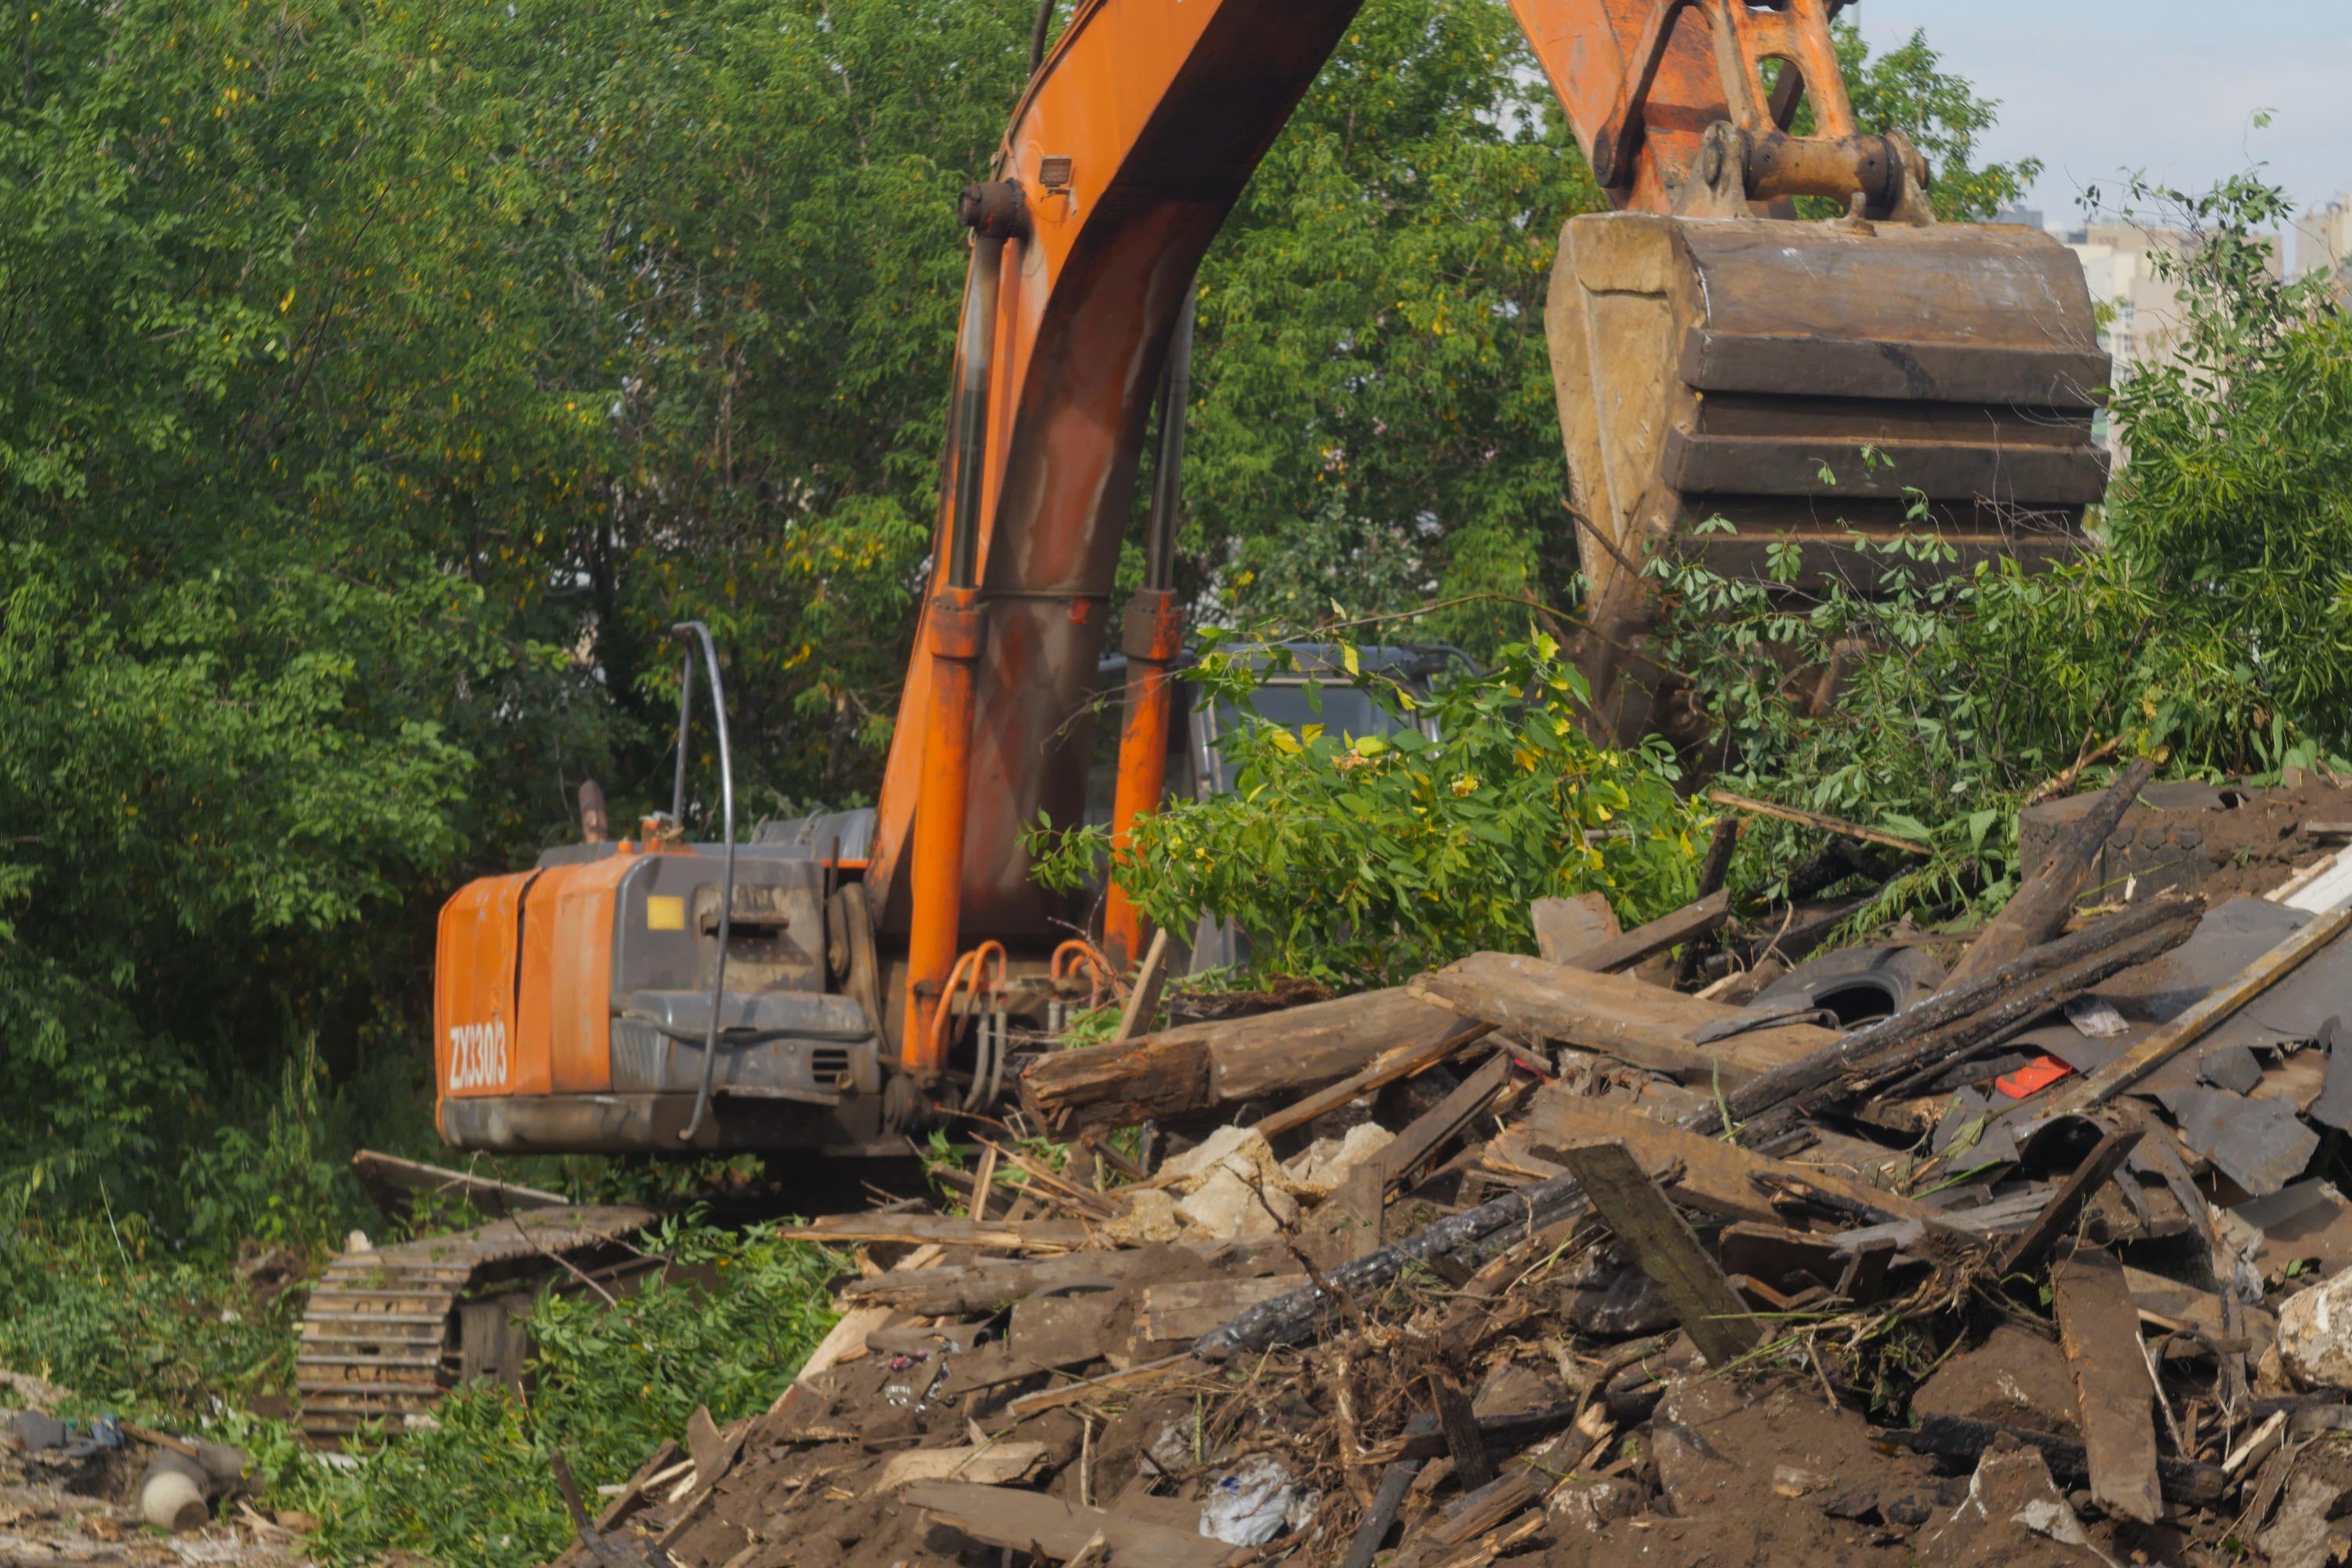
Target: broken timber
x,y
1844,1054
1048,1527
1693,920
2037,911
2065,1204
1803,818
1691,1284
1402,1062
1199,1067
2170,1040
1645,1026
2100,1333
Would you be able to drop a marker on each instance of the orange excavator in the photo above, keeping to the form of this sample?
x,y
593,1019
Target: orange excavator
x,y
831,982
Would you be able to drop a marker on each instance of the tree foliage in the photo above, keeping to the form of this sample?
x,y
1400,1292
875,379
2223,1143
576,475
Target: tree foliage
x,y
1368,858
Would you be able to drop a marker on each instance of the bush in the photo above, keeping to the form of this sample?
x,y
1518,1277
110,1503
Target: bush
x,y
1365,859
98,1306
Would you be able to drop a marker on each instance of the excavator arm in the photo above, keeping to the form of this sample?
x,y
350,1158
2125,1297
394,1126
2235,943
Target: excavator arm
x,y
1127,149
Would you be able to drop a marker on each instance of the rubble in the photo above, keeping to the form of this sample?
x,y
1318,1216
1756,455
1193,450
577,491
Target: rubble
x,y
1537,1260
105,1490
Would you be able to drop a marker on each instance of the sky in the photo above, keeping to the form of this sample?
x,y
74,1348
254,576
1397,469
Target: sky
x,y
2095,87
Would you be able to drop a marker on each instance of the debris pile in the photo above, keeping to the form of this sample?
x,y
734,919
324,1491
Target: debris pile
x,y
2042,1261
112,1491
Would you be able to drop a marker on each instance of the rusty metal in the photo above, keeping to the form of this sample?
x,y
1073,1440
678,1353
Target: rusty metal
x,y
1836,161
1944,375
995,209
1152,637
953,629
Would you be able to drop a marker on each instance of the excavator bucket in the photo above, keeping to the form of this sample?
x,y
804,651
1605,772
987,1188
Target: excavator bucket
x,y
1807,383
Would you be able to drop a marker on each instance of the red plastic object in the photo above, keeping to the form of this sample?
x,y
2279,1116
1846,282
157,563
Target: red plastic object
x,y
2032,1077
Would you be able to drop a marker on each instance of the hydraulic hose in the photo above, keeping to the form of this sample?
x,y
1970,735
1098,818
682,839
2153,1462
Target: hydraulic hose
x,y
691,633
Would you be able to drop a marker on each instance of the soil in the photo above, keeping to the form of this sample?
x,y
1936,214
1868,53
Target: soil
x,y
2226,842
1765,1474
2016,1378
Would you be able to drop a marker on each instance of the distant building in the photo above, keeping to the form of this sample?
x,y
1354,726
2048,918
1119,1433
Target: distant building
x,y
2323,239
2029,218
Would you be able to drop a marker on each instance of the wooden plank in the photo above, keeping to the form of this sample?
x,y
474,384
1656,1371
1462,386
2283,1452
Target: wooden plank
x,y
389,1179
943,1230
1345,1037
1359,1208
1202,1065
982,1464
1712,873
1662,1244
2065,1204
1188,1310
1400,1062
1838,825
1048,1527
1566,927
1386,1501
1143,1000
1459,1424
1695,919
2100,1333
1436,1127
1139,1376
2175,1304
1930,1026
1484,1508
993,1366
846,1340
1719,1178
2170,1040
1646,1026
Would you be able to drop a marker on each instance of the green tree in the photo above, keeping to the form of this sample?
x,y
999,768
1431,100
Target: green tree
x,y
1373,420
1906,89
382,382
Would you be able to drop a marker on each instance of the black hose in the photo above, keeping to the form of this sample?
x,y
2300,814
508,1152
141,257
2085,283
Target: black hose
x,y
692,632
1044,24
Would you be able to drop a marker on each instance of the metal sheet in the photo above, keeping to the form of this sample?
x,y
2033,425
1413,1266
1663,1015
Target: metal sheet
x,y
2258,1143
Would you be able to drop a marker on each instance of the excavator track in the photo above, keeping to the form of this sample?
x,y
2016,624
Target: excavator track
x,y
381,1338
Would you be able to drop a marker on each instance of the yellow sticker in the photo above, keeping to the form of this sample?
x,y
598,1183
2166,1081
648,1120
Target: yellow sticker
x,y
664,913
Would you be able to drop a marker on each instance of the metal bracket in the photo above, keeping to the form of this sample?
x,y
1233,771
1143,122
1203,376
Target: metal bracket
x,y
1749,156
